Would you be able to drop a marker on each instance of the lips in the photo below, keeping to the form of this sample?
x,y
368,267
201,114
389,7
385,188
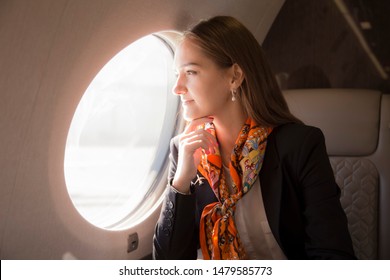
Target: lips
x,y
187,102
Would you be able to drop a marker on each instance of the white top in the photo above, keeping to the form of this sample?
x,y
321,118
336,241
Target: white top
x,y
252,225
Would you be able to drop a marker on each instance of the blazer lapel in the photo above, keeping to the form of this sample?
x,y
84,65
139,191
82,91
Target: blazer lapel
x,y
271,184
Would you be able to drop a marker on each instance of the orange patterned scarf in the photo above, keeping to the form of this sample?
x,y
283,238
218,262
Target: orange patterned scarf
x,y
219,238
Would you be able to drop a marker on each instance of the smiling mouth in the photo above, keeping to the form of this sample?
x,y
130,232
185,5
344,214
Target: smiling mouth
x,y
186,102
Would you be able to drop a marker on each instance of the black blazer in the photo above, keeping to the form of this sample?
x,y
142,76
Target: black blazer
x,y
301,201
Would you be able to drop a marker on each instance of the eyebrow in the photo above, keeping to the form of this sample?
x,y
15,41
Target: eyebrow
x,y
190,64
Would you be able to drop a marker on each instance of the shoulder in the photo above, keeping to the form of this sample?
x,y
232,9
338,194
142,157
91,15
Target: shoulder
x,y
294,138
295,133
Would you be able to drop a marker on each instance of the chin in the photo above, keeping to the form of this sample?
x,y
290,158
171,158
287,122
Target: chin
x,y
190,116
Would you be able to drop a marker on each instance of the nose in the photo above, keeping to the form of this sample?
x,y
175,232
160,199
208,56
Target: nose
x,y
179,87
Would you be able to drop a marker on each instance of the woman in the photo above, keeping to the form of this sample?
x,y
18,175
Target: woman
x,y
247,179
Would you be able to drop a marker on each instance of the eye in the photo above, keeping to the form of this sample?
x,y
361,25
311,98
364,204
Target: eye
x,y
191,72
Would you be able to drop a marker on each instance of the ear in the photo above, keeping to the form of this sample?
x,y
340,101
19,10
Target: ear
x,y
237,77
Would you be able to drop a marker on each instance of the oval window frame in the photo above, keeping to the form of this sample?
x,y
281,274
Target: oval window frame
x,y
153,196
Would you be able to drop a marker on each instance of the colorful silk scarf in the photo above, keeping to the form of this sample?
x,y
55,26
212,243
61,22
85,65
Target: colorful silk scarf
x,y
219,238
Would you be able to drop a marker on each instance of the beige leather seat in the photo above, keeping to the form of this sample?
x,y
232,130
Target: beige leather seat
x,y
356,125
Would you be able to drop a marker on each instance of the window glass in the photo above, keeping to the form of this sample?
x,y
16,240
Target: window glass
x,y
119,137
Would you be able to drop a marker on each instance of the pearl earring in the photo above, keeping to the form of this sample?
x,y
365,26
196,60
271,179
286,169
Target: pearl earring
x,y
234,92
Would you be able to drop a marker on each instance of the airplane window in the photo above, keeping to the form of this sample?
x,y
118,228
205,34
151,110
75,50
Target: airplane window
x,y
118,142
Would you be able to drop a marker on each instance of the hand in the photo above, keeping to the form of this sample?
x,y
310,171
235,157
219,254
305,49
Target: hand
x,y
191,143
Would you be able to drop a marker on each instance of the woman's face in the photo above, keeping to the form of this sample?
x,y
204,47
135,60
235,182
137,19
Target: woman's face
x,y
204,87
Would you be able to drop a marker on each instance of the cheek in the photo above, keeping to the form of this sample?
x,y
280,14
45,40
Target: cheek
x,y
210,92
220,94
216,87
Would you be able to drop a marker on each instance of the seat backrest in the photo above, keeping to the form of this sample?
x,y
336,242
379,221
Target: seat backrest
x,y
356,125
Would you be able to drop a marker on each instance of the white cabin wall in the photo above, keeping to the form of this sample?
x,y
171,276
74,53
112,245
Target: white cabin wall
x,y
49,53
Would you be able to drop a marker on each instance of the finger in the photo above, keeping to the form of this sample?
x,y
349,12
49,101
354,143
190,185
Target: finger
x,y
199,133
207,142
200,139
202,135
193,125
190,148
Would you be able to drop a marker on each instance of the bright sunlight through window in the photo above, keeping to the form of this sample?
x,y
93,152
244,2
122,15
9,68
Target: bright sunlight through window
x,y
119,137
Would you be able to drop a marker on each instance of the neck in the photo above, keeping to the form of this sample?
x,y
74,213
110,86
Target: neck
x,y
228,126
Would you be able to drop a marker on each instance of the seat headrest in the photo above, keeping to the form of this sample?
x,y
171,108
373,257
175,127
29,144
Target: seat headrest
x,y
349,118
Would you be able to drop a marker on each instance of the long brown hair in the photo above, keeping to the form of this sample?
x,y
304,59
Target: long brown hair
x,y
227,41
